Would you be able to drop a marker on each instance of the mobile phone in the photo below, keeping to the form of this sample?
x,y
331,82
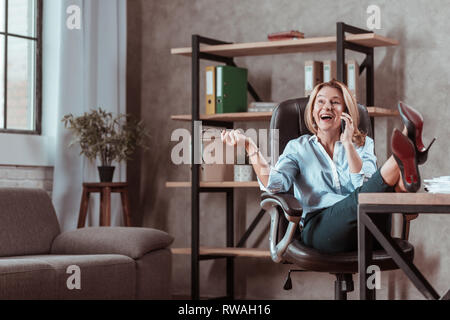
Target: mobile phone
x,y
342,126
343,123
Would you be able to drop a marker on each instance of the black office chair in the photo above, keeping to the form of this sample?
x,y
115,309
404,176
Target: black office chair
x,y
286,211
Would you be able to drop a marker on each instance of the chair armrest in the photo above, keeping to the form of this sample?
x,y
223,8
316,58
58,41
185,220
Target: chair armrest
x,y
290,205
131,242
292,212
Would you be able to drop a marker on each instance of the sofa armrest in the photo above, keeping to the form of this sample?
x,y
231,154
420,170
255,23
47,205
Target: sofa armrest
x,y
131,242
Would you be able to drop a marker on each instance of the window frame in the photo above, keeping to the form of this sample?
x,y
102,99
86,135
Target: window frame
x,y
38,77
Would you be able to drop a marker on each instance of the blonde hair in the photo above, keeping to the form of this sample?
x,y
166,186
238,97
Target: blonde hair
x,y
359,138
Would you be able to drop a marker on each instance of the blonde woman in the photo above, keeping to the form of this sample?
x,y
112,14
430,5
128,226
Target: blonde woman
x,y
329,168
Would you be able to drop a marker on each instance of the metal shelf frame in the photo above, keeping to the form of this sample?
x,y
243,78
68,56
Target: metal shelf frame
x,y
196,190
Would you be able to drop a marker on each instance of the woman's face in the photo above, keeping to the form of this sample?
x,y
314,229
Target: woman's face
x,y
328,108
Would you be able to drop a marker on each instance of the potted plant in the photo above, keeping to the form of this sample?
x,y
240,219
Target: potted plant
x,y
105,137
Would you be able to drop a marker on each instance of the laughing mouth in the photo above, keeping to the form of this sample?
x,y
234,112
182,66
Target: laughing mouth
x,y
326,117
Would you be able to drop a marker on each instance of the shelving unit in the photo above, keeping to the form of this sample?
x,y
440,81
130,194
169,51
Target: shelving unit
x,y
365,39
358,40
266,116
222,184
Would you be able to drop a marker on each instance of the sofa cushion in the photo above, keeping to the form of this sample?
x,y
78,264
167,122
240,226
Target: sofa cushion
x,y
26,279
132,242
101,276
28,222
154,276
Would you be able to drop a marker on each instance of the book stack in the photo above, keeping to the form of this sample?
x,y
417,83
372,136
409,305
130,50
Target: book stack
x,y
352,70
317,72
437,185
286,35
262,106
329,70
313,75
226,89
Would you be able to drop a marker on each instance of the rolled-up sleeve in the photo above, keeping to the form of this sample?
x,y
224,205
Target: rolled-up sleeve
x,y
369,164
282,175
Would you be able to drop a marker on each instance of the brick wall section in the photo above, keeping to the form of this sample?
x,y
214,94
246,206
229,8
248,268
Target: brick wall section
x,y
26,177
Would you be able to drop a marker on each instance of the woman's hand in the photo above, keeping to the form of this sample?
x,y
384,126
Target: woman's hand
x,y
347,135
260,165
354,160
236,137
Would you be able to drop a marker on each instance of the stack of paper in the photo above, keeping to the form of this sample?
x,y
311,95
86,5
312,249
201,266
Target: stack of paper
x,y
262,106
437,185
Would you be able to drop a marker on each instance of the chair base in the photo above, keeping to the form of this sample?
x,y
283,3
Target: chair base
x,y
342,285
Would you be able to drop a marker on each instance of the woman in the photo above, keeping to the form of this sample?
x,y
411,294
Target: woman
x,y
329,168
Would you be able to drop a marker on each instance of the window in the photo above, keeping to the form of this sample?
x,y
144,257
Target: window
x,y
20,66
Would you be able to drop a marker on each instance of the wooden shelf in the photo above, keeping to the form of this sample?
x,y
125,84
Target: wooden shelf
x,y
222,184
228,117
229,252
266,116
382,112
287,46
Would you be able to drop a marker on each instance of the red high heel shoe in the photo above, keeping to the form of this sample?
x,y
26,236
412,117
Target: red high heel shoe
x,y
413,121
405,154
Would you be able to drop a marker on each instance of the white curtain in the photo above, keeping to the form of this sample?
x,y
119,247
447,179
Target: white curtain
x,y
91,64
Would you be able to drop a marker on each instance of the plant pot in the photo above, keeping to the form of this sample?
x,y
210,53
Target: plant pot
x,y
106,173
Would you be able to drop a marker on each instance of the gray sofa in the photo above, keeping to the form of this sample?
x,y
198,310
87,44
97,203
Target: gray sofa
x,y
37,261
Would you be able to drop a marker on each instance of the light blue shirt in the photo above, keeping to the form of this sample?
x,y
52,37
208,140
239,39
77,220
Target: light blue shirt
x,y
319,181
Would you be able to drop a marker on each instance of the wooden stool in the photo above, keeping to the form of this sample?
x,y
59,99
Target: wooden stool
x,y
105,189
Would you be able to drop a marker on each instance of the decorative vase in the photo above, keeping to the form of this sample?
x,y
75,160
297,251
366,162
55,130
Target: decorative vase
x,y
106,173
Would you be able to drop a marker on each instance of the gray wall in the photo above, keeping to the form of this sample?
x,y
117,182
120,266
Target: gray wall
x,y
159,85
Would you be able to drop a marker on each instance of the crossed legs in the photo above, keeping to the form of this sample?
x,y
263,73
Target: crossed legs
x,y
334,229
